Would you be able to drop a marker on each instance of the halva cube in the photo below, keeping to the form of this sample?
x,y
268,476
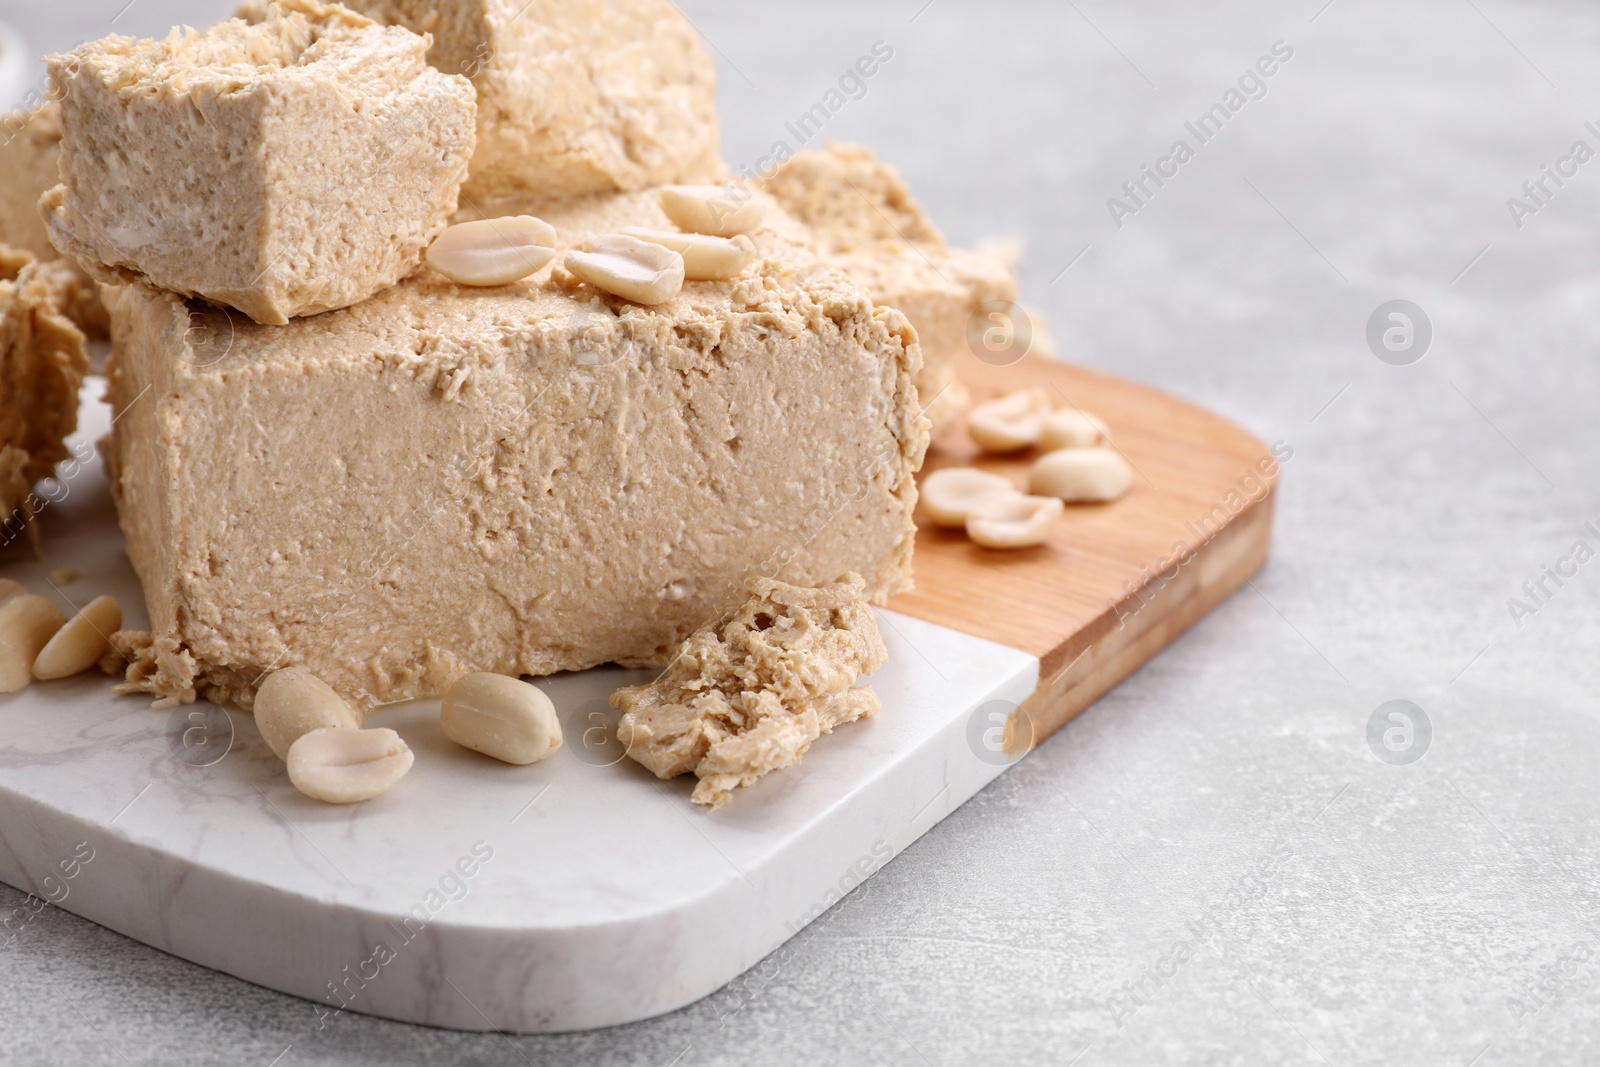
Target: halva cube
x,y
283,168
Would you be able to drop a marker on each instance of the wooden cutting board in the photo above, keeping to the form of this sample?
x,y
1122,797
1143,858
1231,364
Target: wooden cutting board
x,y
581,891
1117,582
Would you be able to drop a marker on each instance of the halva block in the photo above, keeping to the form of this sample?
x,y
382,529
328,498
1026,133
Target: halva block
x,y
521,479
574,96
282,168
867,224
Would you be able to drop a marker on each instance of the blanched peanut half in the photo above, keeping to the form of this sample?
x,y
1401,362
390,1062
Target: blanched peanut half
x,y
949,495
718,210
1015,521
1010,423
27,623
493,251
343,766
628,267
705,259
501,717
1080,475
81,643
293,702
9,589
1071,428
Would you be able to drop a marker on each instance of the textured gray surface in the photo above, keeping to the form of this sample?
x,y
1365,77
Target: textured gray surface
x,y
1430,913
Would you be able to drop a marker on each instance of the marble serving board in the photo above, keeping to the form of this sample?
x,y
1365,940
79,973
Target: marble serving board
x,y
579,892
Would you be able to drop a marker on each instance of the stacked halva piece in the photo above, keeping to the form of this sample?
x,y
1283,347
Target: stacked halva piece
x,y
282,168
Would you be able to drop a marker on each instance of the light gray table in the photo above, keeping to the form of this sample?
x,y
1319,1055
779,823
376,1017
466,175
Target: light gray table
x,y
1211,865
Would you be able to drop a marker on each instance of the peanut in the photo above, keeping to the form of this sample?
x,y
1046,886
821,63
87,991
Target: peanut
x,y
293,702
716,210
628,267
705,259
949,495
27,623
1015,521
1080,475
79,644
1073,428
1011,423
339,765
493,251
501,717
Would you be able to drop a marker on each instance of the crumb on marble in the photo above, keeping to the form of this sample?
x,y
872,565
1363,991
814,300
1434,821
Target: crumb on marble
x,y
747,696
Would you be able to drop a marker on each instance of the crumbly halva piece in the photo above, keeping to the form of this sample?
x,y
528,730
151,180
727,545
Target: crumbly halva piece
x,y
522,479
30,146
867,224
42,364
284,168
574,98
747,696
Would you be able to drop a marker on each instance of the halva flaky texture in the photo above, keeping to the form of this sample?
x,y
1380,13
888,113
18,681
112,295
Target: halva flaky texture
x,y
283,168
30,148
867,224
747,696
574,96
42,364
523,479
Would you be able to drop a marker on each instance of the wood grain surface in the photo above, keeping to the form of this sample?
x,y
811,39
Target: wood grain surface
x,y
1117,582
